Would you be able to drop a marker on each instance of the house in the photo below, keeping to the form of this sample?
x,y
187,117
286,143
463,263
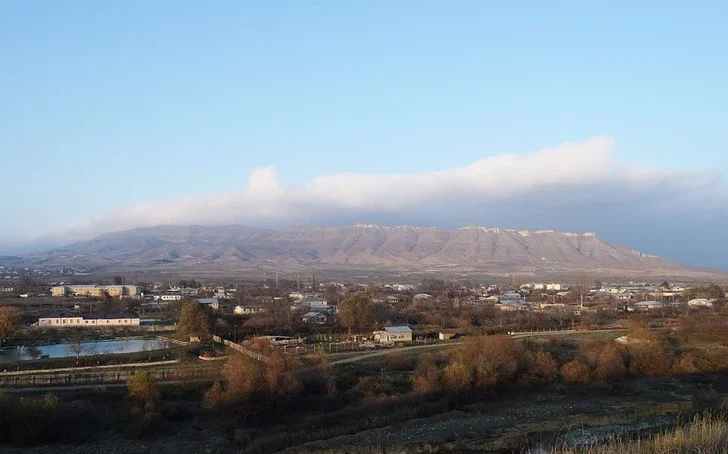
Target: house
x,y
247,310
648,305
394,334
98,320
556,287
423,296
7,289
622,296
168,297
209,302
513,305
189,291
316,318
446,336
315,304
510,296
701,302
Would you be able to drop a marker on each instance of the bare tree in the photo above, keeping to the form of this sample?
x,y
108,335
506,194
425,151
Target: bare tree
x,y
581,286
77,346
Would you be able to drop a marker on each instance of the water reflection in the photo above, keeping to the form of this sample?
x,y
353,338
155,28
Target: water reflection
x,y
76,349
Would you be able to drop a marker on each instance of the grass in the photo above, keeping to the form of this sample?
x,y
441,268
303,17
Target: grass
x,y
704,434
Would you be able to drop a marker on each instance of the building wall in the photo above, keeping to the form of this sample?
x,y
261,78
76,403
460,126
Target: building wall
x,y
98,291
74,322
59,291
386,337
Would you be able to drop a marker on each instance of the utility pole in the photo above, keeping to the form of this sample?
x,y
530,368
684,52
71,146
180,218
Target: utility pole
x,y
298,282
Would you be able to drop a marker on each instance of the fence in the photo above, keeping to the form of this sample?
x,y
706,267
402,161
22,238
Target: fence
x,y
239,348
108,376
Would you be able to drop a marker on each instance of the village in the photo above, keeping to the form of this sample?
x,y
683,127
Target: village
x,y
308,316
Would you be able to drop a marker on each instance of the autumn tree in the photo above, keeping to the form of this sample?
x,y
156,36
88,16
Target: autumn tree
x,y
356,312
575,372
483,362
9,323
427,377
539,367
193,320
277,375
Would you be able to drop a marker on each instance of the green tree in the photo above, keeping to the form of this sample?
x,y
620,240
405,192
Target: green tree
x,y
356,312
9,322
193,320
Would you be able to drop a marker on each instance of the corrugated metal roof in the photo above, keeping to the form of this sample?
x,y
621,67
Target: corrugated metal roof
x,y
398,329
207,300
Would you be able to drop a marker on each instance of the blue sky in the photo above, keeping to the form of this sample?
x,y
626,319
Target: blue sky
x,y
108,105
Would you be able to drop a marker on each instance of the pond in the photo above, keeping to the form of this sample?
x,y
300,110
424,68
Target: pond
x,y
73,349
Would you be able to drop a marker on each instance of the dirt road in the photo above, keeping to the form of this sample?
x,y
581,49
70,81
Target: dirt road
x,y
521,335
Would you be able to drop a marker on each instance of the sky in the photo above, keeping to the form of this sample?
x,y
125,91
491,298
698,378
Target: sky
x,y
567,115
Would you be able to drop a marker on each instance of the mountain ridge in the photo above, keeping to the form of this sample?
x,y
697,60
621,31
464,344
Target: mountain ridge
x,y
361,246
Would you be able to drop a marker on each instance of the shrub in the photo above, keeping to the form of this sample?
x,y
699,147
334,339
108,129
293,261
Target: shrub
x,y
483,362
610,364
427,377
539,367
575,372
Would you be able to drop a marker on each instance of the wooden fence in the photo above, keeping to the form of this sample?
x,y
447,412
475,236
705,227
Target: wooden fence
x,y
100,377
239,348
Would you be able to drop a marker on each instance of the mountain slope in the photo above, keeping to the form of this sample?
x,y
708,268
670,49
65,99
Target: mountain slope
x,y
481,249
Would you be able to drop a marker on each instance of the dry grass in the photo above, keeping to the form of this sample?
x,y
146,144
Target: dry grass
x,y
704,434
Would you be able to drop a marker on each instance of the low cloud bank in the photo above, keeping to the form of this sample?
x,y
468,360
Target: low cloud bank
x,y
574,186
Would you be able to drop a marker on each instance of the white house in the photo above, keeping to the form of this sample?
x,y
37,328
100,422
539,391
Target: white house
x,y
556,287
168,297
75,320
394,334
245,310
701,302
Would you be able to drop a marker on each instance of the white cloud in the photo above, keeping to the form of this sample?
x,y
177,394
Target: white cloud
x,y
552,181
